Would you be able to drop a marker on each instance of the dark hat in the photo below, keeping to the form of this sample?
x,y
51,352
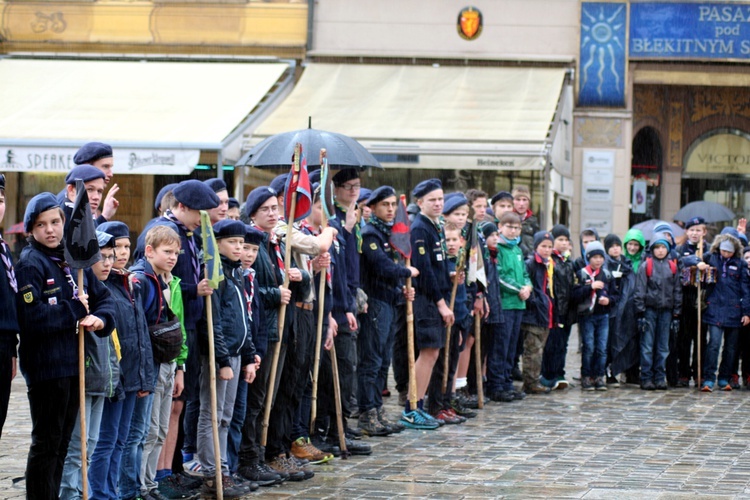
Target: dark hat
x,y
85,173
488,228
162,193
253,236
116,228
541,236
594,248
278,183
695,221
364,194
105,239
194,194
489,212
454,201
38,204
257,197
610,240
92,151
234,203
426,187
229,228
216,184
314,176
560,230
345,175
380,194
663,227
502,195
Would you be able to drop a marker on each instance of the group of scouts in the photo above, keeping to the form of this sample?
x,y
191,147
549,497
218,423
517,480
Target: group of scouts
x,y
148,390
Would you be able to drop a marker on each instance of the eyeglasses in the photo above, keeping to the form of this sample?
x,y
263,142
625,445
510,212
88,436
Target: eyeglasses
x,y
350,187
514,228
265,210
110,258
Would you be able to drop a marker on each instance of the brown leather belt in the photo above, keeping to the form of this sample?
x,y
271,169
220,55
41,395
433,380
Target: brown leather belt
x,y
307,306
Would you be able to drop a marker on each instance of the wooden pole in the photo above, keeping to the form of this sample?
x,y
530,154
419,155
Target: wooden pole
x,y
214,409
699,305
82,397
447,350
478,358
337,395
321,308
410,345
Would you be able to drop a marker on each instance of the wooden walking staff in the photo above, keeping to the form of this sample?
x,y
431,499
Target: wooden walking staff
x,y
337,396
699,307
82,398
410,345
446,352
478,358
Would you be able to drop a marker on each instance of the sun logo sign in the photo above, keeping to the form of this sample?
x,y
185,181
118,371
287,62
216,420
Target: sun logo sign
x,y
602,54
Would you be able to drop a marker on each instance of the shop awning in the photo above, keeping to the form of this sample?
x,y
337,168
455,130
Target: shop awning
x,y
479,118
158,116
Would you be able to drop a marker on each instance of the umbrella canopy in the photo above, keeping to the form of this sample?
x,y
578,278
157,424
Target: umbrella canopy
x,y
710,211
16,229
647,228
276,151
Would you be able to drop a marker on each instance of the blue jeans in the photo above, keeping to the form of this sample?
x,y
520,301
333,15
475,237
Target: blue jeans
x,y
594,331
715,334
372,341
655,345
555,352
71,486
132,454
105,461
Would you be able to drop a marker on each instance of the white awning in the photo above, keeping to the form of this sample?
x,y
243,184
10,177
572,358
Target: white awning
x,y
158,116
441,117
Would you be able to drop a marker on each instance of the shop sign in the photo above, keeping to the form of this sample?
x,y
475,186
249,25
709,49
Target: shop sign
x,y
682,30
720,153
126,160
598,167
597,216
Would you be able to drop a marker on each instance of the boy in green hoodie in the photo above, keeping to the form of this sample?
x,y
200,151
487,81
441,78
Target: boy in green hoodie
x,y
634,244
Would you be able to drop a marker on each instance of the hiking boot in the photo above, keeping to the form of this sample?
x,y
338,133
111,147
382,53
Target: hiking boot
x,y
502,396
517,395
180,485
707,387
536,388
303,448
300,463
661,385
600,383
281,465
446,417
587,384
243,483
471,401
648,385
353,447
208,490
352,433
612,381
734,381
326,445
461,410
259,474
552,384
155,494
415,419
562,383
395,427
370,425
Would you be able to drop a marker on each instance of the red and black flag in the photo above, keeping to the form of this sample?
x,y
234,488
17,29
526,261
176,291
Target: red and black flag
x,y
298,183
81,245
400,236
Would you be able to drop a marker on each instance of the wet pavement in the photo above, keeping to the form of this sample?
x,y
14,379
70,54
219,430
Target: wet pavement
x,y
620,444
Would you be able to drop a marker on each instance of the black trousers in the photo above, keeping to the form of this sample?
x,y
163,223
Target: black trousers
x,y
249,453
437,400
400,350
54,407
687,361
471,375
6,370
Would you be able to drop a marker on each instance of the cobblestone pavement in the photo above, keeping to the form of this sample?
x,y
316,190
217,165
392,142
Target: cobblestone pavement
x,y
621,444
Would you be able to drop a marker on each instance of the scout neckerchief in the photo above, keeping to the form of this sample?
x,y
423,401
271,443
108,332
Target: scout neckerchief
x,y
439,228
191,243
593,274
274,241
357,230
382,226
550,267
9,272
250,275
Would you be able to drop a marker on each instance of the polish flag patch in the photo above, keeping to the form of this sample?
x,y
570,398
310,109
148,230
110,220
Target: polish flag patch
x,y
50,281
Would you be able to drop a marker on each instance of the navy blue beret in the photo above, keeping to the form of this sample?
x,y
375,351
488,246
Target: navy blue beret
x,y
216,184
380,194
84,172
695,221
257,197
345,175
487,228
454,201
105,239
229,228
196,195
92,151
253,236
426,187
38,204
116,228
233,203
314,176
502,195
364,195
162,193
278,183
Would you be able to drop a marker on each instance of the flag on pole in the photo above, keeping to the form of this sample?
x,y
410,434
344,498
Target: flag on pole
x,y
326,191
400,237
81,244
476,259
298,183
211,259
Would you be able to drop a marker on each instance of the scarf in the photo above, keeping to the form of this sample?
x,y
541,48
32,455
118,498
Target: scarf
x,y
9,272
381,225
593,273
549,264
357,229
250,275
57,255
514,242
191,243
276,246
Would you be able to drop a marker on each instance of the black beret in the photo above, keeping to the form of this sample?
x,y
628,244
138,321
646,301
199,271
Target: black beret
x,y
216,184
85,173
695,221
380,194
426,187
454,201
502,195
345,175
253,236
234,203
364,195
196,195
314,176
257,197
162,193
487,228
116,228
228,228
38,204
104,239
92,151
278,183
560,230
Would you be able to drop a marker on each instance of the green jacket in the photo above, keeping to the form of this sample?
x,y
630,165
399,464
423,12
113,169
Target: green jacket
x,y
635,259
512,274
176,305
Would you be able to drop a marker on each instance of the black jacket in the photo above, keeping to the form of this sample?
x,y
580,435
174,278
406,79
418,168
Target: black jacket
x,y
564,278
540,308
582,292
382,276
8,316
661,290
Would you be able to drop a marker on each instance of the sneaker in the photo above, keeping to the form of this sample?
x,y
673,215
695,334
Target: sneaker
x,y
562,383
230,490
326,444
734,381
386,393
155,494
683,382
727,387
661,385
180,485
536,388
453,414
648,385
446,417
430,417
259,474
370,425
518,395
461,410
394,427
551,384
193,467
282,466
352,433
355,448
707,387
303,448
415,419
587,384
600,383
471,401
300,463
612,381
723,385
243,483
502,396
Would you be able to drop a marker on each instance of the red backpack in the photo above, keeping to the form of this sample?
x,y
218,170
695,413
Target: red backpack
x,y
650,266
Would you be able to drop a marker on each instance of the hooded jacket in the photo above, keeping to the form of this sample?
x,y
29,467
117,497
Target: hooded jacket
x,y
661,290
582,261
540,307
563,286
512,274
727,299
634,235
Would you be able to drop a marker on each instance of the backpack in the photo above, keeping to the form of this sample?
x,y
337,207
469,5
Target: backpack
x,y
650,266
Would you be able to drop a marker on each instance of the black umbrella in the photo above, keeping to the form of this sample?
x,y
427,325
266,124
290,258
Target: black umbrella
x,y
276,151
710,211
